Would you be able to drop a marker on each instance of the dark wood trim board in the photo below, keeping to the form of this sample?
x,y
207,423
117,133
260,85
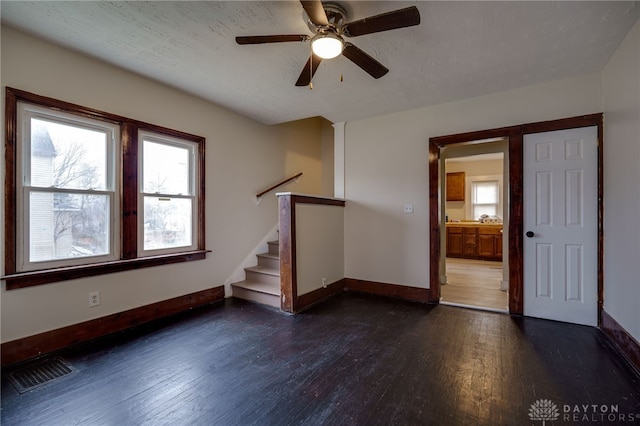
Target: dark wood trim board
x,y
316,296
622,340
414,294
434,222
287,242
39,344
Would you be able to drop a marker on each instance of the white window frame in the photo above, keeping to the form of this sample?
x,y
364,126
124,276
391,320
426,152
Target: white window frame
x,y
193,186
471,180
25,112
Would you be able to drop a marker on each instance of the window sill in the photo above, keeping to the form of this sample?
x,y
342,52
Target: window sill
x,y
47,276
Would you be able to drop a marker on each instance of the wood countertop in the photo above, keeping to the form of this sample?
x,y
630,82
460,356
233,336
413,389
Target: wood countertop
x,y
474,224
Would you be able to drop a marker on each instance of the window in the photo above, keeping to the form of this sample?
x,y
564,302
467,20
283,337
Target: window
x,y
167,195
485,198
66,189
88,192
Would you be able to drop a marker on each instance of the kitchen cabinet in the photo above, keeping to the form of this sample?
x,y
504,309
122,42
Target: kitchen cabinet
x,y
470,249
490,243
455,186
470,241
462,241
454,242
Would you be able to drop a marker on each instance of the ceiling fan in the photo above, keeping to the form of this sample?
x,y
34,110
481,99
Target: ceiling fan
x,y
328,23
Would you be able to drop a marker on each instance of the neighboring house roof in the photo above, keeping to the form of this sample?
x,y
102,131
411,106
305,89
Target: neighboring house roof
x,y
41,143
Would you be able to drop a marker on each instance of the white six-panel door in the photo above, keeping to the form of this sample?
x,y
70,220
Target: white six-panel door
x,y
560,222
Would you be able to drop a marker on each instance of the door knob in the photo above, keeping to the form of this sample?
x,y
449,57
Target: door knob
x,y
530,234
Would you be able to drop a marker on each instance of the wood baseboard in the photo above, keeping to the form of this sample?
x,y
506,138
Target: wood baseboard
x,y
622,340
307,300
36,345
414,294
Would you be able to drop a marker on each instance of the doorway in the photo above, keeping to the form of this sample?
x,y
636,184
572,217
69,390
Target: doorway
x,y
476,284
473,268
514,189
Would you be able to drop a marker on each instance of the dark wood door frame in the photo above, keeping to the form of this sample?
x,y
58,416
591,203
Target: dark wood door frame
x,y
515,135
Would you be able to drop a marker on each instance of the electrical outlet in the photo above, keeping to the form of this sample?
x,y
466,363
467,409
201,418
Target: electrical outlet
x,y
324,282
408,208
94,298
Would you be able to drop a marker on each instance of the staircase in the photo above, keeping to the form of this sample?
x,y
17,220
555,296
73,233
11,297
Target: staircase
x,y
262,283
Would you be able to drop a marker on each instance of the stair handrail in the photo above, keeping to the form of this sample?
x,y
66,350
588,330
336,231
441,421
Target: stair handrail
x,y
282,182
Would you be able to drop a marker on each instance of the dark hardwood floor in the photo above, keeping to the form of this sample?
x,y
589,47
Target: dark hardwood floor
x,y
354,359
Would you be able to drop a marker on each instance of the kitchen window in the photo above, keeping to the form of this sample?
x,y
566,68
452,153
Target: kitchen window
x,y
485,198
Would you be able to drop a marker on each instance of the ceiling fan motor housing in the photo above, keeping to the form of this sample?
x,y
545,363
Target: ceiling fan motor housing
x,y
336,15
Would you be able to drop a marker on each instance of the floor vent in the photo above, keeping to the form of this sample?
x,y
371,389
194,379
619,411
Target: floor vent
x,y
39,373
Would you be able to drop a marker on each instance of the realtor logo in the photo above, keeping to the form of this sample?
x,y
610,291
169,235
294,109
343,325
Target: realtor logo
x,y
545,410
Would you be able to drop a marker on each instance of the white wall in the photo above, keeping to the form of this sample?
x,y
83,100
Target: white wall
x,y
473,170
621,99
242,158
386,162
319,245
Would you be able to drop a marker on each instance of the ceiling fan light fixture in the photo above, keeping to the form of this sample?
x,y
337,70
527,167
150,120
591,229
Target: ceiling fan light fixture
x,y
327,45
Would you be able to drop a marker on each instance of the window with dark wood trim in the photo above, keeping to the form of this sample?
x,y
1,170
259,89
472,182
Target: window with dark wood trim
x,y
132,239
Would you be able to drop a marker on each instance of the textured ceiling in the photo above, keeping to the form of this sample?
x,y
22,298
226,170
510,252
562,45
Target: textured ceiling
x,y
460,50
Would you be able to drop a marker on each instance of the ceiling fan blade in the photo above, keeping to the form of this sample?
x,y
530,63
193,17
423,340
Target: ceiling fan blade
x,y
400,18
271,39
364,61
315,12
309,70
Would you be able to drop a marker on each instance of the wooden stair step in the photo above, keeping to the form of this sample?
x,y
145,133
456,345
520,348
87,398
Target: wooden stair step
x,y
264,270
268,260
263,275
259,292
262,283
268,255
274,247
259,287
